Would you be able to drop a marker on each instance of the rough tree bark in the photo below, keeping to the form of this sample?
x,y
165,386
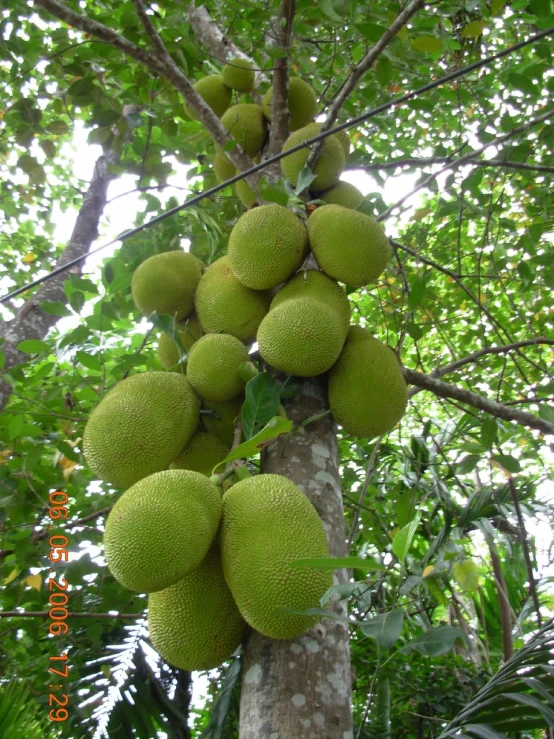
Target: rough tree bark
x,y
301,688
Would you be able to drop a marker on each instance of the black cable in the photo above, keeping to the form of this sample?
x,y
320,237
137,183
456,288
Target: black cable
x,y
277,157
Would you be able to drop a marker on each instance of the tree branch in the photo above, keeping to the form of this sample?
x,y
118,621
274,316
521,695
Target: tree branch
x,y
279,103
427,161
445,390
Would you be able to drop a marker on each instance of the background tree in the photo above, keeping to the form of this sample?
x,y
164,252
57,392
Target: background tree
x,y
442,503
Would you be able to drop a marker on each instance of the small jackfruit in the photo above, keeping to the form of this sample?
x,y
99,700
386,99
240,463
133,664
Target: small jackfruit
x,y
238,74
301,336
267,523
343,193
214,92
222,419
245,193
266,246
189,331
161,529
225,305
195,624
223,168
140,426
329,166
367,391
247,125
302,103
311,283
213,364
201,454
344,139
166,283
348,245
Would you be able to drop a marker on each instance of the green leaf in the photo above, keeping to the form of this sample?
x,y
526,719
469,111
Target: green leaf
x,y
305,179
261,403
522,83
273,194
58,128
466,574
403,539
473,29
327,7
428,44
489,429
338,563
384,628
417,291
546,412
414,331
497,7
384,71
55,309
89,360
33,346
435,642
507,462
49,148
278,426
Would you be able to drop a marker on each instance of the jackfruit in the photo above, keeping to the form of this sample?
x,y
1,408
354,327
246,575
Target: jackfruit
x,y
213,364
201,454
215,93
343,193
367,392
344,139
238,74
189,331
222,424
312,283
329,166
247,125
301,336
225,305
195,624
166,283
266,246
140,427
302,103
223,168
161,529
245,193
349,246
267,523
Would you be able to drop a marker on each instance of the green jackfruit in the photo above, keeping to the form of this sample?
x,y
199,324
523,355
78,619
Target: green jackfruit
x,y
367,392
329,166
201,454
302,103
247,125
267,523
223,168
215,93
212,367
312,283
245,193
238,74
140,427
225,305
344,139
189,331
349,246
343,193
266,246
161,529
166,283
301,336
222,424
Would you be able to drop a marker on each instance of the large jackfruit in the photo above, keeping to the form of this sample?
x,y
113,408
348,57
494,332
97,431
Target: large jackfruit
x,y
189,330
349,246
266,246
214,92
225,305
267,523
367,391
301,336
302,103
343,193
166,283
213,365
140,427
247,125
195,624
201,454
161,529
330,163
238,74
221,421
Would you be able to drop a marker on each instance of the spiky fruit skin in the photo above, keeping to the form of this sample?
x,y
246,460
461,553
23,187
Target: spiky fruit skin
x,y
166,283
367,392
201,454
214,92
312,283
222,424
189,331
245,193
247,125
330,164
213,364
225,305
302,103
266,246
195,624
267,523
161,529
349,246
343,193
301,336
223,168
140,426
239,75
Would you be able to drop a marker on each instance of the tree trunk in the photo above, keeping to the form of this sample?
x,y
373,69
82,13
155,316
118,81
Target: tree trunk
x,y
301,688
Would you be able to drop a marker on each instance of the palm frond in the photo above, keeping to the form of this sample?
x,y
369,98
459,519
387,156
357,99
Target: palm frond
x,y
19,714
